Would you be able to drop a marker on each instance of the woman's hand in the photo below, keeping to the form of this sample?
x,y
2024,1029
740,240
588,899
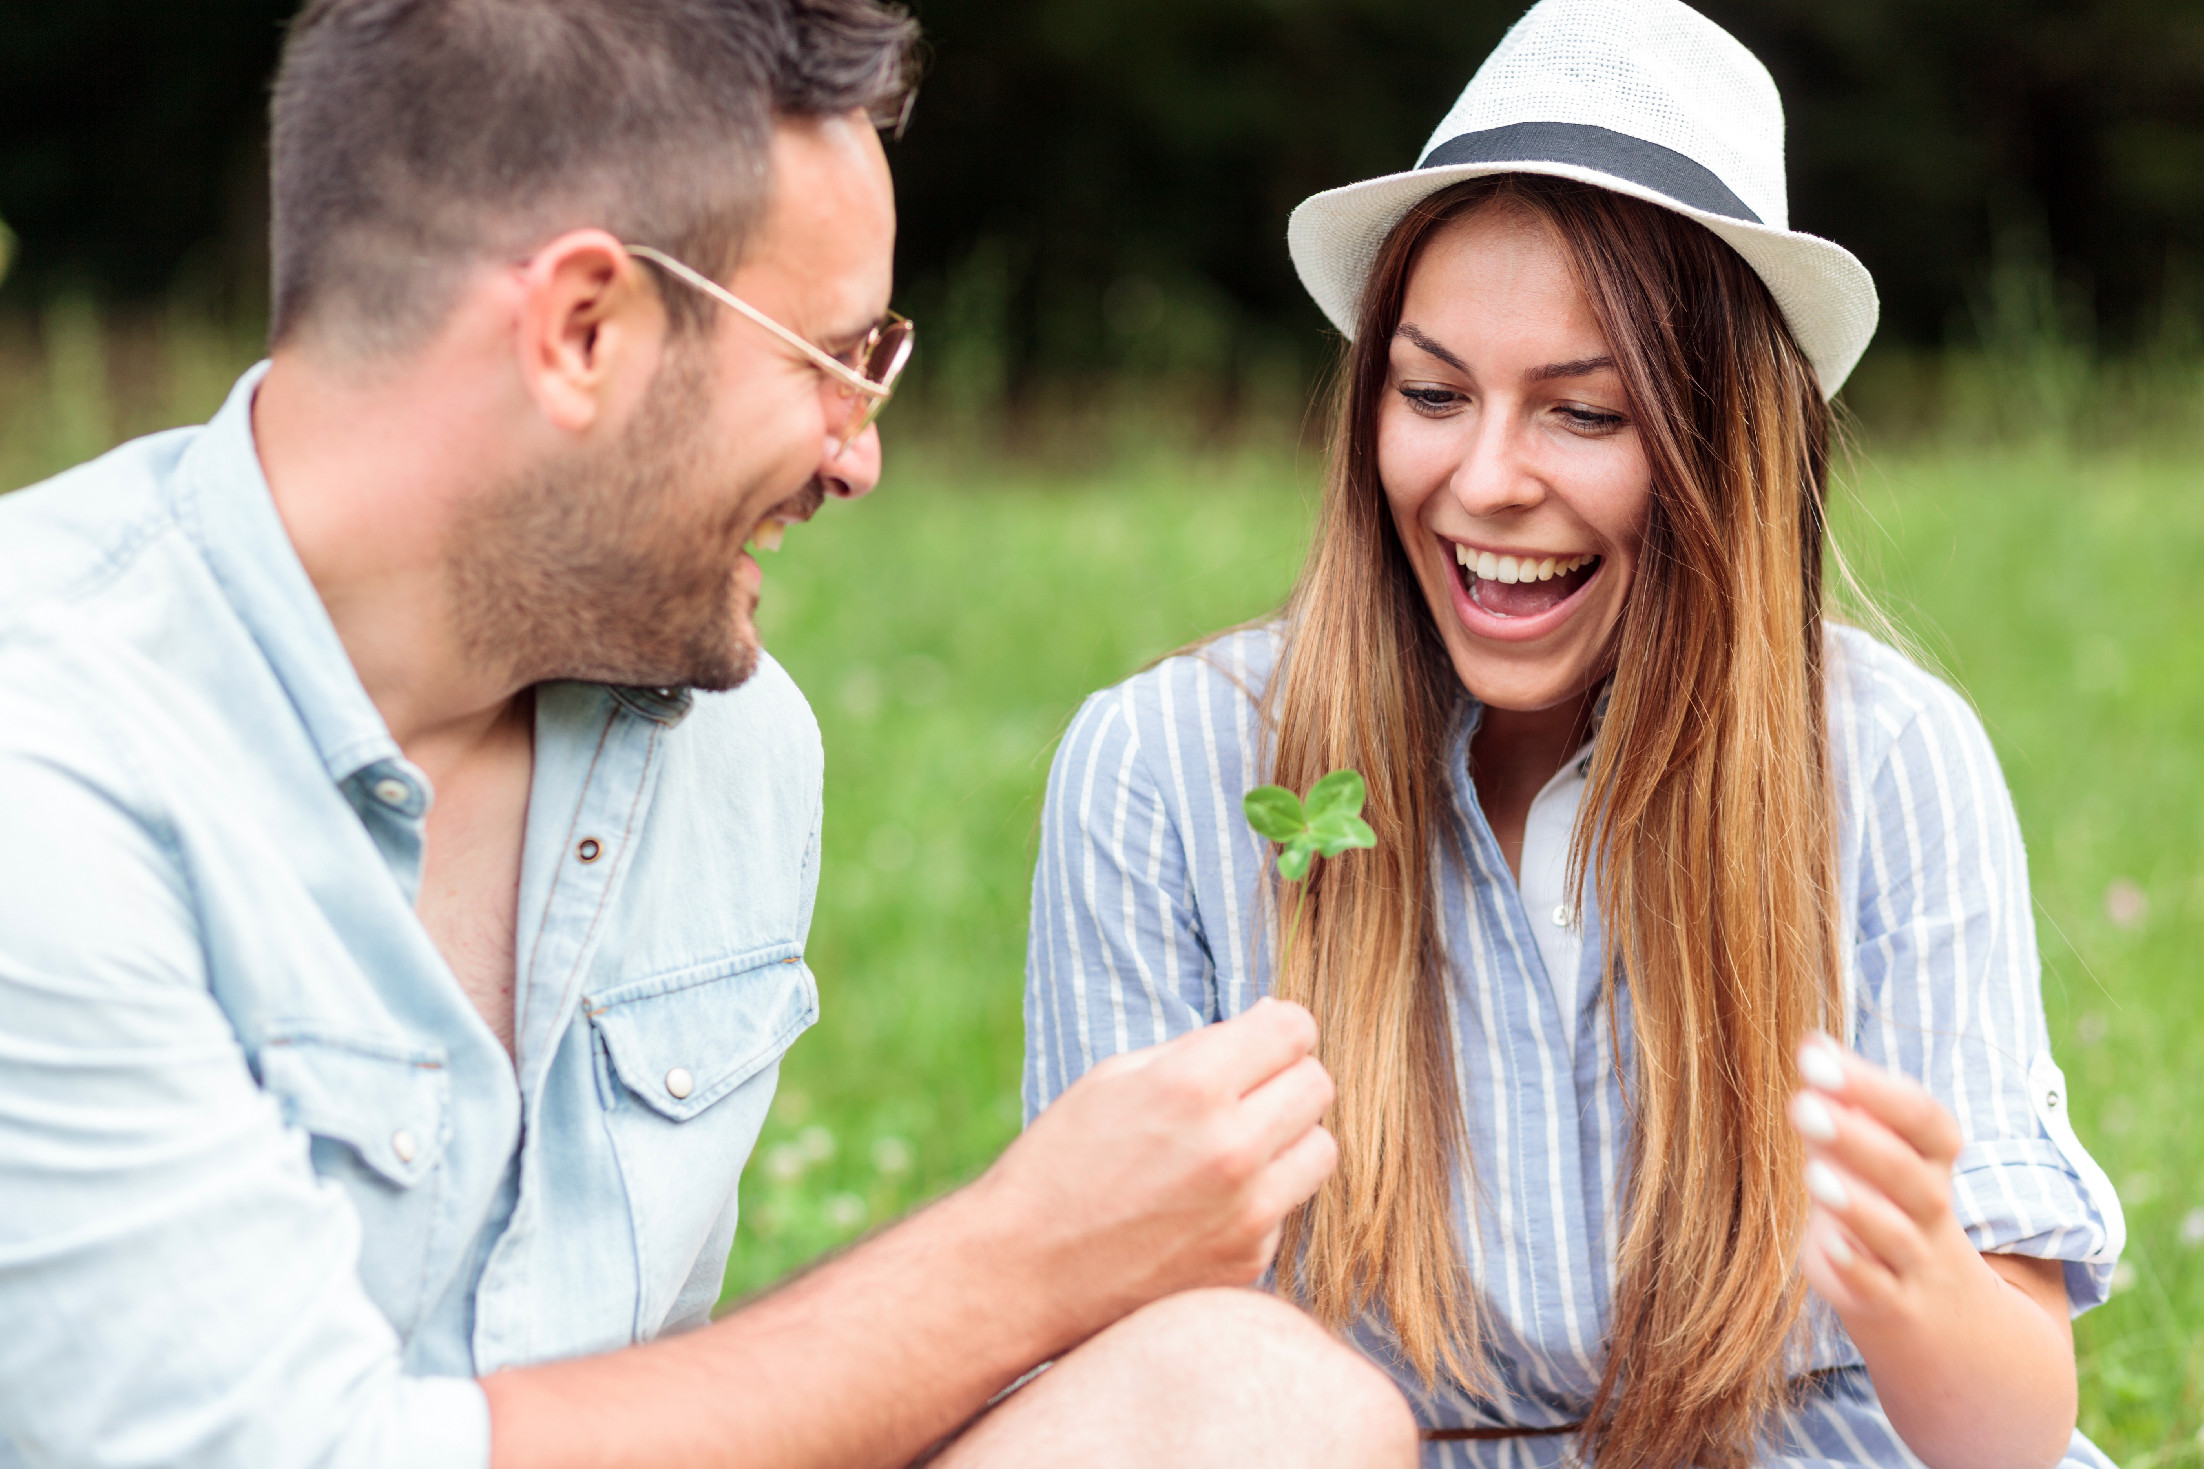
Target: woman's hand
x,y
1972,1355
1882,1243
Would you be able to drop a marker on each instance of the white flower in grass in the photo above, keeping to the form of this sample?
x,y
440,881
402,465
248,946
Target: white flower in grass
x,y
2192,1228
891,1155
2123,1277
2126,904
816,1142
785,1162
845,1211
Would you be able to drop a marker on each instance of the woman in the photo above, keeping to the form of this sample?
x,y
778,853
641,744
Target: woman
x,y
1648,827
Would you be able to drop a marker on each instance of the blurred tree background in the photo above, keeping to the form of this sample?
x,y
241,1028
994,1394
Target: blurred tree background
x,y
1089,187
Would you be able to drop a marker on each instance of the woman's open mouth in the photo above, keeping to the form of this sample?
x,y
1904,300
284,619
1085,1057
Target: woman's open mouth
x,y
1521,586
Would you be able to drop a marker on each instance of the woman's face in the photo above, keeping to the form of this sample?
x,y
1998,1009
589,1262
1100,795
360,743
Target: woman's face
x,y
1515,474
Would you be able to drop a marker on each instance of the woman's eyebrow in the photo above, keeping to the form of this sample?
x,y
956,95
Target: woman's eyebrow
x,y
1409,330
1582,367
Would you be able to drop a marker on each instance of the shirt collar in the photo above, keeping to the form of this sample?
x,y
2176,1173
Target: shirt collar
x,y
222,501
1473,714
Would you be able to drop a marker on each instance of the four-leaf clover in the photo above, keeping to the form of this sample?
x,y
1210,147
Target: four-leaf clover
x,y
1328,823
1325,825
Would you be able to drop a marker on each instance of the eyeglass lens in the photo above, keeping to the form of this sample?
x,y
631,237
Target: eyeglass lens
x,y
885,355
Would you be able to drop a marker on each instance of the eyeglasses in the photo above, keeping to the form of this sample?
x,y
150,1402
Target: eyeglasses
x,y
879,360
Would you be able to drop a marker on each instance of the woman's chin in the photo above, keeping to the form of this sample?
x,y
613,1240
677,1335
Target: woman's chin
x,y
1535,660
1520,690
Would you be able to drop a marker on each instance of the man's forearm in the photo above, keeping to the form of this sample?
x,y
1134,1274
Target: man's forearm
x,y
863,1361
1157,1172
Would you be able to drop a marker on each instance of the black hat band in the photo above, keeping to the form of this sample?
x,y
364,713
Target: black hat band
x,y
1581,145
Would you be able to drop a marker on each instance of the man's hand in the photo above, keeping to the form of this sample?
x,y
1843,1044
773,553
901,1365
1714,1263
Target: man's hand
x,y
1173,1167
1160,1171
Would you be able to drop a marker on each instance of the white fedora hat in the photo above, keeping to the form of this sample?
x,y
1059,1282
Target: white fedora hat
x,y
1645,97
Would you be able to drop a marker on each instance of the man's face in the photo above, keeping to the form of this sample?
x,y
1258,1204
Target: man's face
x,y
624,561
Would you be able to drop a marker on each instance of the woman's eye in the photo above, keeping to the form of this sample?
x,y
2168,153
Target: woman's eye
x,y
1432,400
1590,420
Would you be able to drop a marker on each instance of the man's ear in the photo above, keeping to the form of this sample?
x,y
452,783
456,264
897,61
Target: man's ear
x,y
590,329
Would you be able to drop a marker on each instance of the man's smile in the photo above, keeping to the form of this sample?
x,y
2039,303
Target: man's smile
x,y
797,508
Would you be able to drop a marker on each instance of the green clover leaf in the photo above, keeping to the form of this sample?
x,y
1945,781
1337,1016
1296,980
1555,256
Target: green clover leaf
x,y
1327,824
1335,834
1340,793
1275,813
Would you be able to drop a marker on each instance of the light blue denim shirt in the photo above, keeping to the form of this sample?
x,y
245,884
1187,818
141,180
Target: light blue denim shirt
x,y
270,1191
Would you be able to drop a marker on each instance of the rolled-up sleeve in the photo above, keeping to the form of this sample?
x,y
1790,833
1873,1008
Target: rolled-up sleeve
x,y
1116,959
178,1288
1950,989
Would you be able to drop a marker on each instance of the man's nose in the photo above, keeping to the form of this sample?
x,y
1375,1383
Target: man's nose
x,y
854,471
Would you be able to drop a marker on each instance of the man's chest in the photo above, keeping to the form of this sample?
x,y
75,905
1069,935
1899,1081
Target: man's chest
x,y
639,937
475,840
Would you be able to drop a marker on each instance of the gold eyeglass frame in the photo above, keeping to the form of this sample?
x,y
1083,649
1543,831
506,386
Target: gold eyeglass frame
x,y
876,391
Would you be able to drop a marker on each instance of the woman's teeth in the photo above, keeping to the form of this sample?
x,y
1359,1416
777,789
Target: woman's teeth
x,y
1517,569
767,537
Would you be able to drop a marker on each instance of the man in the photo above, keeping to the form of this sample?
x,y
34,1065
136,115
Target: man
x,y
400,929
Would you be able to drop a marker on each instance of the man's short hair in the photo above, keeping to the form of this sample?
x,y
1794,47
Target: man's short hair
x,y
412,139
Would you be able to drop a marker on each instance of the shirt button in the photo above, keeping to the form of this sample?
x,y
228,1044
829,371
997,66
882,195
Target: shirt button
x,y
1562,915
679,1082
402,1143
392,792
589,849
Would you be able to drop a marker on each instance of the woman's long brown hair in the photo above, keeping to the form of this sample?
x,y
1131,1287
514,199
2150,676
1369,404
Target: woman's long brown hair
x,y
1707,836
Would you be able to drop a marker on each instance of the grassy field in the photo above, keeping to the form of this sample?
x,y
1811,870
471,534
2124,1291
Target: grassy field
x,y
946,628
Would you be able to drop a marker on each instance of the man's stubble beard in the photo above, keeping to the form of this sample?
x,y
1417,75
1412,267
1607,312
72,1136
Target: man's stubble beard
x,y
592,568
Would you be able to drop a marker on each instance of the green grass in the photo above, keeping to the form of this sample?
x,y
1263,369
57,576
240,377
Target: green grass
x,y
946,628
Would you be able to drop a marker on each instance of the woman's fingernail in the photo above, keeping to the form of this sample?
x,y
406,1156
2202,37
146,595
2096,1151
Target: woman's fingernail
x,y
1837,1249
1813,1118
1825,1187
1820,1064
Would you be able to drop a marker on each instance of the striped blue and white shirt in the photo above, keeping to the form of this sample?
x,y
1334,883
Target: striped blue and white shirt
x,y
1147,922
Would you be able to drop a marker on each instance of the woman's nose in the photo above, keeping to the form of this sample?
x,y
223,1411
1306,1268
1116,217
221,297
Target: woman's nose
x,y
1496,473
851,472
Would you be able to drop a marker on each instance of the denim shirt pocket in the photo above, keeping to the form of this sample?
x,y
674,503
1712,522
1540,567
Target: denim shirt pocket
x,y
378,1110
679,1042
688,1061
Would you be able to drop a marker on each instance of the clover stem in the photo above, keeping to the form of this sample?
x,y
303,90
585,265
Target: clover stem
x,y
1293,930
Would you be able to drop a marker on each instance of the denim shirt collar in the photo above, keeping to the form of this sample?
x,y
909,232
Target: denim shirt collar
x,y
222,501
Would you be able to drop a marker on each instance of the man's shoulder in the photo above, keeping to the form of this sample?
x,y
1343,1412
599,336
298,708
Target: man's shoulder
x,y
728,863
764,724
744,764
64,536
